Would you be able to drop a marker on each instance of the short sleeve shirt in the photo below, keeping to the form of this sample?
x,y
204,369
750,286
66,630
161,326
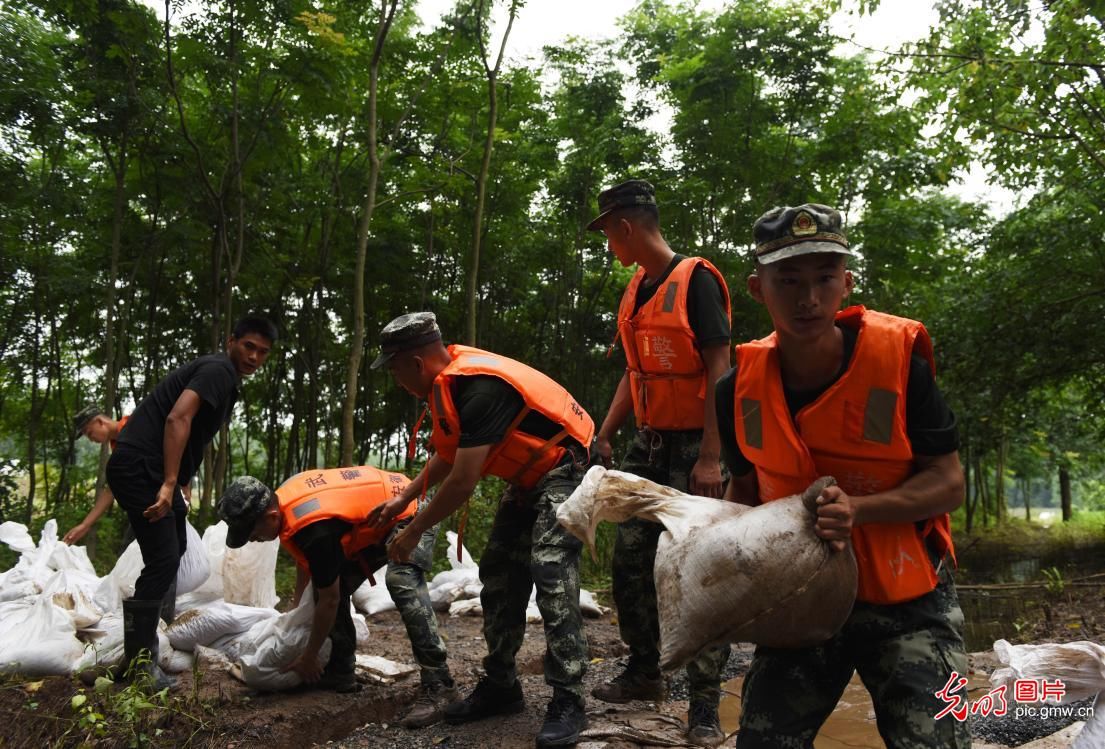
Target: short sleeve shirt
x,y
930,423
214,379
321,544
488,405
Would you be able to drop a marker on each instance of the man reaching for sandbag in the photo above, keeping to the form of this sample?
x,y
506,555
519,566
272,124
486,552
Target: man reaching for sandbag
x,y
496,416
320,518
673,323
849,394
156,457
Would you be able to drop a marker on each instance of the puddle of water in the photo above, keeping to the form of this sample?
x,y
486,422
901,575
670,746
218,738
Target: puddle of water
x,y
852,724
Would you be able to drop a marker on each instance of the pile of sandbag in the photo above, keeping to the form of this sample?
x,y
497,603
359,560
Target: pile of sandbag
x,y
57,616
1080,666
456,590
726,572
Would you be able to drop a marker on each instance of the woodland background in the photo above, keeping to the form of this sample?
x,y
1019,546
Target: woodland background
x,y
333,164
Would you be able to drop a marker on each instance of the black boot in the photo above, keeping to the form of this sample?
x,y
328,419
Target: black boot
x,y
486,700
140,646
168,604
564,719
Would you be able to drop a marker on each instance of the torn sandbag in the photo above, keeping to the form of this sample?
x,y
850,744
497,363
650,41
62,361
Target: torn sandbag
x,y
1079,666
726,572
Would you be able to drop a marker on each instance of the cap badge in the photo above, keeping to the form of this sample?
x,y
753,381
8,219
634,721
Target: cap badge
x,y
803,225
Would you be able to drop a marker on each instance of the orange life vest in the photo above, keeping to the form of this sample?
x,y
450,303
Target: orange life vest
x,y
856,432
348,494
520,458
667,376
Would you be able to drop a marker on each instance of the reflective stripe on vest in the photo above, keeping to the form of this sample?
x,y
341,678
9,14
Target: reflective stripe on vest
x,y
520,458
856,432
348,494
667,376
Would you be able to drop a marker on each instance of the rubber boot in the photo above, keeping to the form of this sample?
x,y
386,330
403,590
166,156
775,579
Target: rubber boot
x,y
140,634
168,605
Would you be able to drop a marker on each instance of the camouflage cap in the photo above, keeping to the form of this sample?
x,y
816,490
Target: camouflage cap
x,y
628,194
241,505
806,229
406,332
84,416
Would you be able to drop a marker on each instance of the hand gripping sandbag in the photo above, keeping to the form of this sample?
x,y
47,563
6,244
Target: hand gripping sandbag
x,y
726,572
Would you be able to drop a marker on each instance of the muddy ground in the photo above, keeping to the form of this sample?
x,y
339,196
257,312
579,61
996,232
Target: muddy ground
x,y
222,712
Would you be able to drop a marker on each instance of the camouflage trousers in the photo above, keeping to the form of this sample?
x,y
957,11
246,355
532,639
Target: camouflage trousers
x,y
904,654
666,458
528,548
406,583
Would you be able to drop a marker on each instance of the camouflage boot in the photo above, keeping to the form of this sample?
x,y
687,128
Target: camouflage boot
x,y
703,726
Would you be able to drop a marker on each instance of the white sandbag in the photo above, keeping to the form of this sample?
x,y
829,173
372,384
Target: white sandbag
x,y
73,591
17,584
32,570
373,599
726,572
74,558
205,624
466,561
1080,666
194,566
360,624
43,644
104,643
588,606
16,536
466,607
176,661
14,613
214,544
249,574
230,646
273,644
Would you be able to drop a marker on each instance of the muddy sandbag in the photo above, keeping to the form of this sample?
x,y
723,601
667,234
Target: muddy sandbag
x,y
204,625
1079,666
726,572
272,644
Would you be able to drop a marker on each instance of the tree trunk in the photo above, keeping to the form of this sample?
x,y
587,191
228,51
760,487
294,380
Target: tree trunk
x,y
485,167
356,352
972,496
1064,492
1025,488
1000,510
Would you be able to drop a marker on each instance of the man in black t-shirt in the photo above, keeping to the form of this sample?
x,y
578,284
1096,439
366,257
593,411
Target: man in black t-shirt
x,y
849,394
674,327
159,452
496,416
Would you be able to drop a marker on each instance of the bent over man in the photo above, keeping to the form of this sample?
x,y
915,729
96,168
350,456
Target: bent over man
x,y
673,323
849,394
496,416
320,517
157,455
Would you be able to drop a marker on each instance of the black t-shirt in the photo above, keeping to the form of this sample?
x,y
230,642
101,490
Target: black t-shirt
x,y
930,424
215,380
705,304
487,405
321,544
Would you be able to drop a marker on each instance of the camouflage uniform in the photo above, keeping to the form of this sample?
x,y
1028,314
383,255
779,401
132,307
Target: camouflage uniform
x,y
528,547
406,583
666,457
904,654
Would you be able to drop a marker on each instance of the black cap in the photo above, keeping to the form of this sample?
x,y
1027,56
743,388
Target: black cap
x,y
241,505
85,415
406,332
628,194
800,230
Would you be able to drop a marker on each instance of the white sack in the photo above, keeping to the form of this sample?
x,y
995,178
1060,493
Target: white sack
x,y
204,625
42,644
73,591
589,606
726,572
16,536
73,558
1079,665
273,644
373,599
360,624
246,576
194,567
